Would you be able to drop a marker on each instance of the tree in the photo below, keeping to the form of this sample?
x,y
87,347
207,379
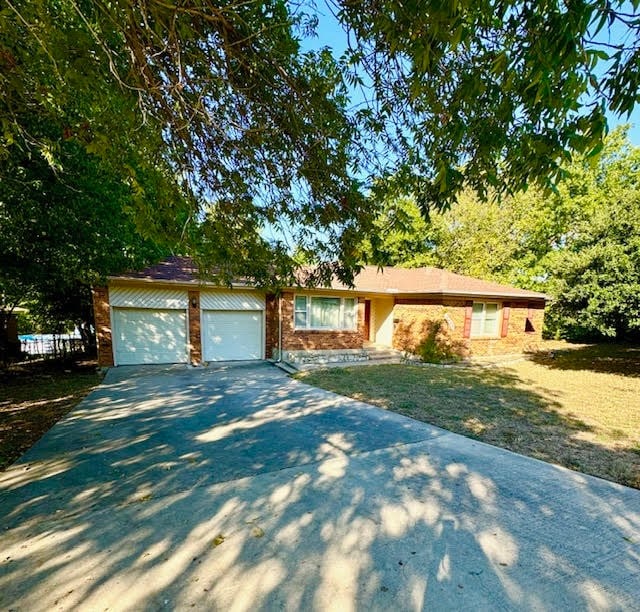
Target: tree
x,y
223,94
63,230
502,239
484,93
401,236
595,277
487,93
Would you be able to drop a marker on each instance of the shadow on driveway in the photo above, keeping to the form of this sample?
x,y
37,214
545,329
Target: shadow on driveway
x,y
238,488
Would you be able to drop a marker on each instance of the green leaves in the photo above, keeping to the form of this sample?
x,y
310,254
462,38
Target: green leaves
x,y
499,91
198,104
596,277
64,229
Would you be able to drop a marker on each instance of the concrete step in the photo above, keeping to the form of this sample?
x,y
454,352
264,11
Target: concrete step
x,y
285,367
385,354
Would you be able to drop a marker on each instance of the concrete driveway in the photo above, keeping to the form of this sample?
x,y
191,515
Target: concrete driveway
x,y
237,488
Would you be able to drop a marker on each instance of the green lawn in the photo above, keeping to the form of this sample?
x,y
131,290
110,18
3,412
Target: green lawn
x,y
580,409
34,397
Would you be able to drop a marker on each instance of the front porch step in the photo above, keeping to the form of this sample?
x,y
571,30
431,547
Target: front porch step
x,y
312,359
384,354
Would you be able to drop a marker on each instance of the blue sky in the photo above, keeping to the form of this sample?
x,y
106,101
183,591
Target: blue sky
x,y
331,34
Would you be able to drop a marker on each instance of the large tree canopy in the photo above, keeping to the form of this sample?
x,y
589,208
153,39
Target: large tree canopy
x,y
429,97
595,276
491,93
64,229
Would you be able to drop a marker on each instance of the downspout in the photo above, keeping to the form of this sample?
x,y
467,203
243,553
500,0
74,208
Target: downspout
x,y
279,328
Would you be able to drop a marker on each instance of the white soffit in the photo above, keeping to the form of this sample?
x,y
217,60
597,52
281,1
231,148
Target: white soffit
x,y
231,300
142,297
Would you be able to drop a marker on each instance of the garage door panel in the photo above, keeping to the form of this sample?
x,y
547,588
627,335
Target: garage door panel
x,y
232,335
150,336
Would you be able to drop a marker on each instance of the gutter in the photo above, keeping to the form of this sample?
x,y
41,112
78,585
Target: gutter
x,y
404,294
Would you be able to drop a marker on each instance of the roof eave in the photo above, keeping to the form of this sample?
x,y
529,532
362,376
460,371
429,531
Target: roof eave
x,y
416,294
371,292
440,293
502,294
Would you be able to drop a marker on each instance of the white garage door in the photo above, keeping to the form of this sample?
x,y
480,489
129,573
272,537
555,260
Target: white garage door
x,y
149,336
230,335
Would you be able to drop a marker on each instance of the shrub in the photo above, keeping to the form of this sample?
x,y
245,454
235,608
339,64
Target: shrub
x,y
438,347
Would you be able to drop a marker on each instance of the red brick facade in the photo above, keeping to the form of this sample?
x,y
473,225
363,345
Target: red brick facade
x,y
523,327
102,320
412,318
195,334
309,340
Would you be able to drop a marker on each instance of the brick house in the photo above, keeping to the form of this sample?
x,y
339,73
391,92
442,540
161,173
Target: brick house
x,y
165,314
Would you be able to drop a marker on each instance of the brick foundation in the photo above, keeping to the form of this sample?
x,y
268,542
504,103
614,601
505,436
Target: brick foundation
x,y
102,319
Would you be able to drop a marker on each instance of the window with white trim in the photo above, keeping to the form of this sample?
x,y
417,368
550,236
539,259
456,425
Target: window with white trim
x,y
485,319
320,312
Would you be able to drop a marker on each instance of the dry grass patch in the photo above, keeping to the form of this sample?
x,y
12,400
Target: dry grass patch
x,y
34,397
579,409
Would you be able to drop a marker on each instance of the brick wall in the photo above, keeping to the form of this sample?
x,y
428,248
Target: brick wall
x,y
102,318
309,340
195,333
518,339
271,325
412,320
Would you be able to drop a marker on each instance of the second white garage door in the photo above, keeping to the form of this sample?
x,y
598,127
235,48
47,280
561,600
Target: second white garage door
x,y
230,335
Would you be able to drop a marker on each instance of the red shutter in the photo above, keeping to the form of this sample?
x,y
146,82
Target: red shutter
x,y
506,311
468,312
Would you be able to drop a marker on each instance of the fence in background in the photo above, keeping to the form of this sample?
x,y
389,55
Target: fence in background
x,y
50,345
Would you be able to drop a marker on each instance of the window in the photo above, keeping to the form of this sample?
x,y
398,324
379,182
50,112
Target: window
x,y
301,311
315,312
349,316
325,313
484,319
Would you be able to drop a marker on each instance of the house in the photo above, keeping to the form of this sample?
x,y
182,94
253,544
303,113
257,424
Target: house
x,y
166,314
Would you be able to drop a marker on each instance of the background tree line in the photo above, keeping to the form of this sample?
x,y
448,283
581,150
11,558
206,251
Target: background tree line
x,y
579,244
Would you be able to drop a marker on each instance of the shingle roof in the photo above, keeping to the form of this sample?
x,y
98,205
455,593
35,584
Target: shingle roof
x,y
430,280
371,279
173,269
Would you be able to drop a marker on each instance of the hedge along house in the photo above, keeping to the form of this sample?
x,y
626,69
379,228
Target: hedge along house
x,y
166,314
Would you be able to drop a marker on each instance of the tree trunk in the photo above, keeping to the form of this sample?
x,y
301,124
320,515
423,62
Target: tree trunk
x,y
88,337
